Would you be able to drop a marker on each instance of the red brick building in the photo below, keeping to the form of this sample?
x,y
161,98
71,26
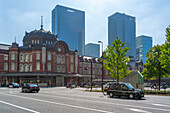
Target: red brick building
x,y
45,60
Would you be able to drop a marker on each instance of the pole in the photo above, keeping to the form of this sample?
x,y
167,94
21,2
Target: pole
x,y
91,74
102,67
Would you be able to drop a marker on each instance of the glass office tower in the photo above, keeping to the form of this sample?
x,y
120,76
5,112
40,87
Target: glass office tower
x,y
92,50
69,25
123,26
143,44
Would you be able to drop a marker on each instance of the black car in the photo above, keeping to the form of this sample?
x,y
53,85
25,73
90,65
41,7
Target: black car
x,y
13,85
31,88
124,89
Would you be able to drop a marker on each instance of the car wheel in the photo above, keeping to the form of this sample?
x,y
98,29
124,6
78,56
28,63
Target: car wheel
x,y
131,96
111,94
37,91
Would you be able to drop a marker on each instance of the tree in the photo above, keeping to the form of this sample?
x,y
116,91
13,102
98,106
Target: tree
x,y
153,67
115,60
165,56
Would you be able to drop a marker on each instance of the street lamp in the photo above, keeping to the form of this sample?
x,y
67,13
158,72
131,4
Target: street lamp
x,y
91,74
102,63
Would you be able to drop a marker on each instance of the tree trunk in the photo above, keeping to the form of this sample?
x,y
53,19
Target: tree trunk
x,y
159,80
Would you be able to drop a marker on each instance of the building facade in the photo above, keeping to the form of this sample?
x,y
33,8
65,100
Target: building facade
x,y
143,45
45,60
92,50
123,26
69,25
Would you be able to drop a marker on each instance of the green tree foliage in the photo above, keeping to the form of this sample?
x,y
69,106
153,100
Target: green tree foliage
x,y
153,67
115,60
165,56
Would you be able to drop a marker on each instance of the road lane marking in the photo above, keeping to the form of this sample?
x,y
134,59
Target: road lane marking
x,y
109,103
62,104
161,105
26,109
138,110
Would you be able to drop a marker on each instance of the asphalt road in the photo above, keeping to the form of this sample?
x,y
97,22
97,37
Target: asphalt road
x,y
65,100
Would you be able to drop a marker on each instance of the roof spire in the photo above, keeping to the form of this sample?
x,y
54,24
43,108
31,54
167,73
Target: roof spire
x,y
41,22
15,39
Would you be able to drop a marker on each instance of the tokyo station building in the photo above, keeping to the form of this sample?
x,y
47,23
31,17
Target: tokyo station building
x,y
45,60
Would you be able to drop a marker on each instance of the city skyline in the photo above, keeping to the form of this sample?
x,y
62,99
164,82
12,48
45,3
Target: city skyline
x,y
151,17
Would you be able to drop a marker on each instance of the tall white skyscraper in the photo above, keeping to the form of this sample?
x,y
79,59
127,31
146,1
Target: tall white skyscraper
x,y
69,25
123,26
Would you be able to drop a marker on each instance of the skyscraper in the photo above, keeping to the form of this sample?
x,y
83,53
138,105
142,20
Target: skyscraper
x,y
92,50
69,25
123,26
143,44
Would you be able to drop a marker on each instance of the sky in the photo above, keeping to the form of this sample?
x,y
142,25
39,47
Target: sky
x,y
18,16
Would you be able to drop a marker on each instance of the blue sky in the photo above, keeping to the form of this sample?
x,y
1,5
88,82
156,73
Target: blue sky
x,y
18,16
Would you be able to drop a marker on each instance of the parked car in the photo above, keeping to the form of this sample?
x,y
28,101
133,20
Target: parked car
x,y
124,89
71,85
83,84
13,85
31,88
3,84
154,86
164,85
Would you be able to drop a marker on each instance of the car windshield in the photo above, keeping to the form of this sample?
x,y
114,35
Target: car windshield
x,y
130,86
15,83
33,85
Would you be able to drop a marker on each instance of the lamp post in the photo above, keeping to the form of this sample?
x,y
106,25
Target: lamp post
x,y
91,74
102,63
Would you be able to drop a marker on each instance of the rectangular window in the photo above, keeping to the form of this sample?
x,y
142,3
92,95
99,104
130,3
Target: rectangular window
x,y
12,56
37,65
49,66
5,66
71,68
71,58
37,56
49,56
5,57
12,66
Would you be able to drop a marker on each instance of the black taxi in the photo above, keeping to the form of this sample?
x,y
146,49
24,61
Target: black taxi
x,y
124,89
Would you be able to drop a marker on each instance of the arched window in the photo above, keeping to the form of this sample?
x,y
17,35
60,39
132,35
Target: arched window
x,y
21,58
58,68
25,68
27,58
30,68
21,68
62,59
30,57
63,69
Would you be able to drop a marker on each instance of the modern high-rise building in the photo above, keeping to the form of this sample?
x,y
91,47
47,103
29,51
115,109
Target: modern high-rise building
x,y
143,44
92,50
123,26
69,25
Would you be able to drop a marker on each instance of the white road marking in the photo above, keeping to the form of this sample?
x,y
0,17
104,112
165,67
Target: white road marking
x,y
19,107
109,103
68,105
161,105
138,110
